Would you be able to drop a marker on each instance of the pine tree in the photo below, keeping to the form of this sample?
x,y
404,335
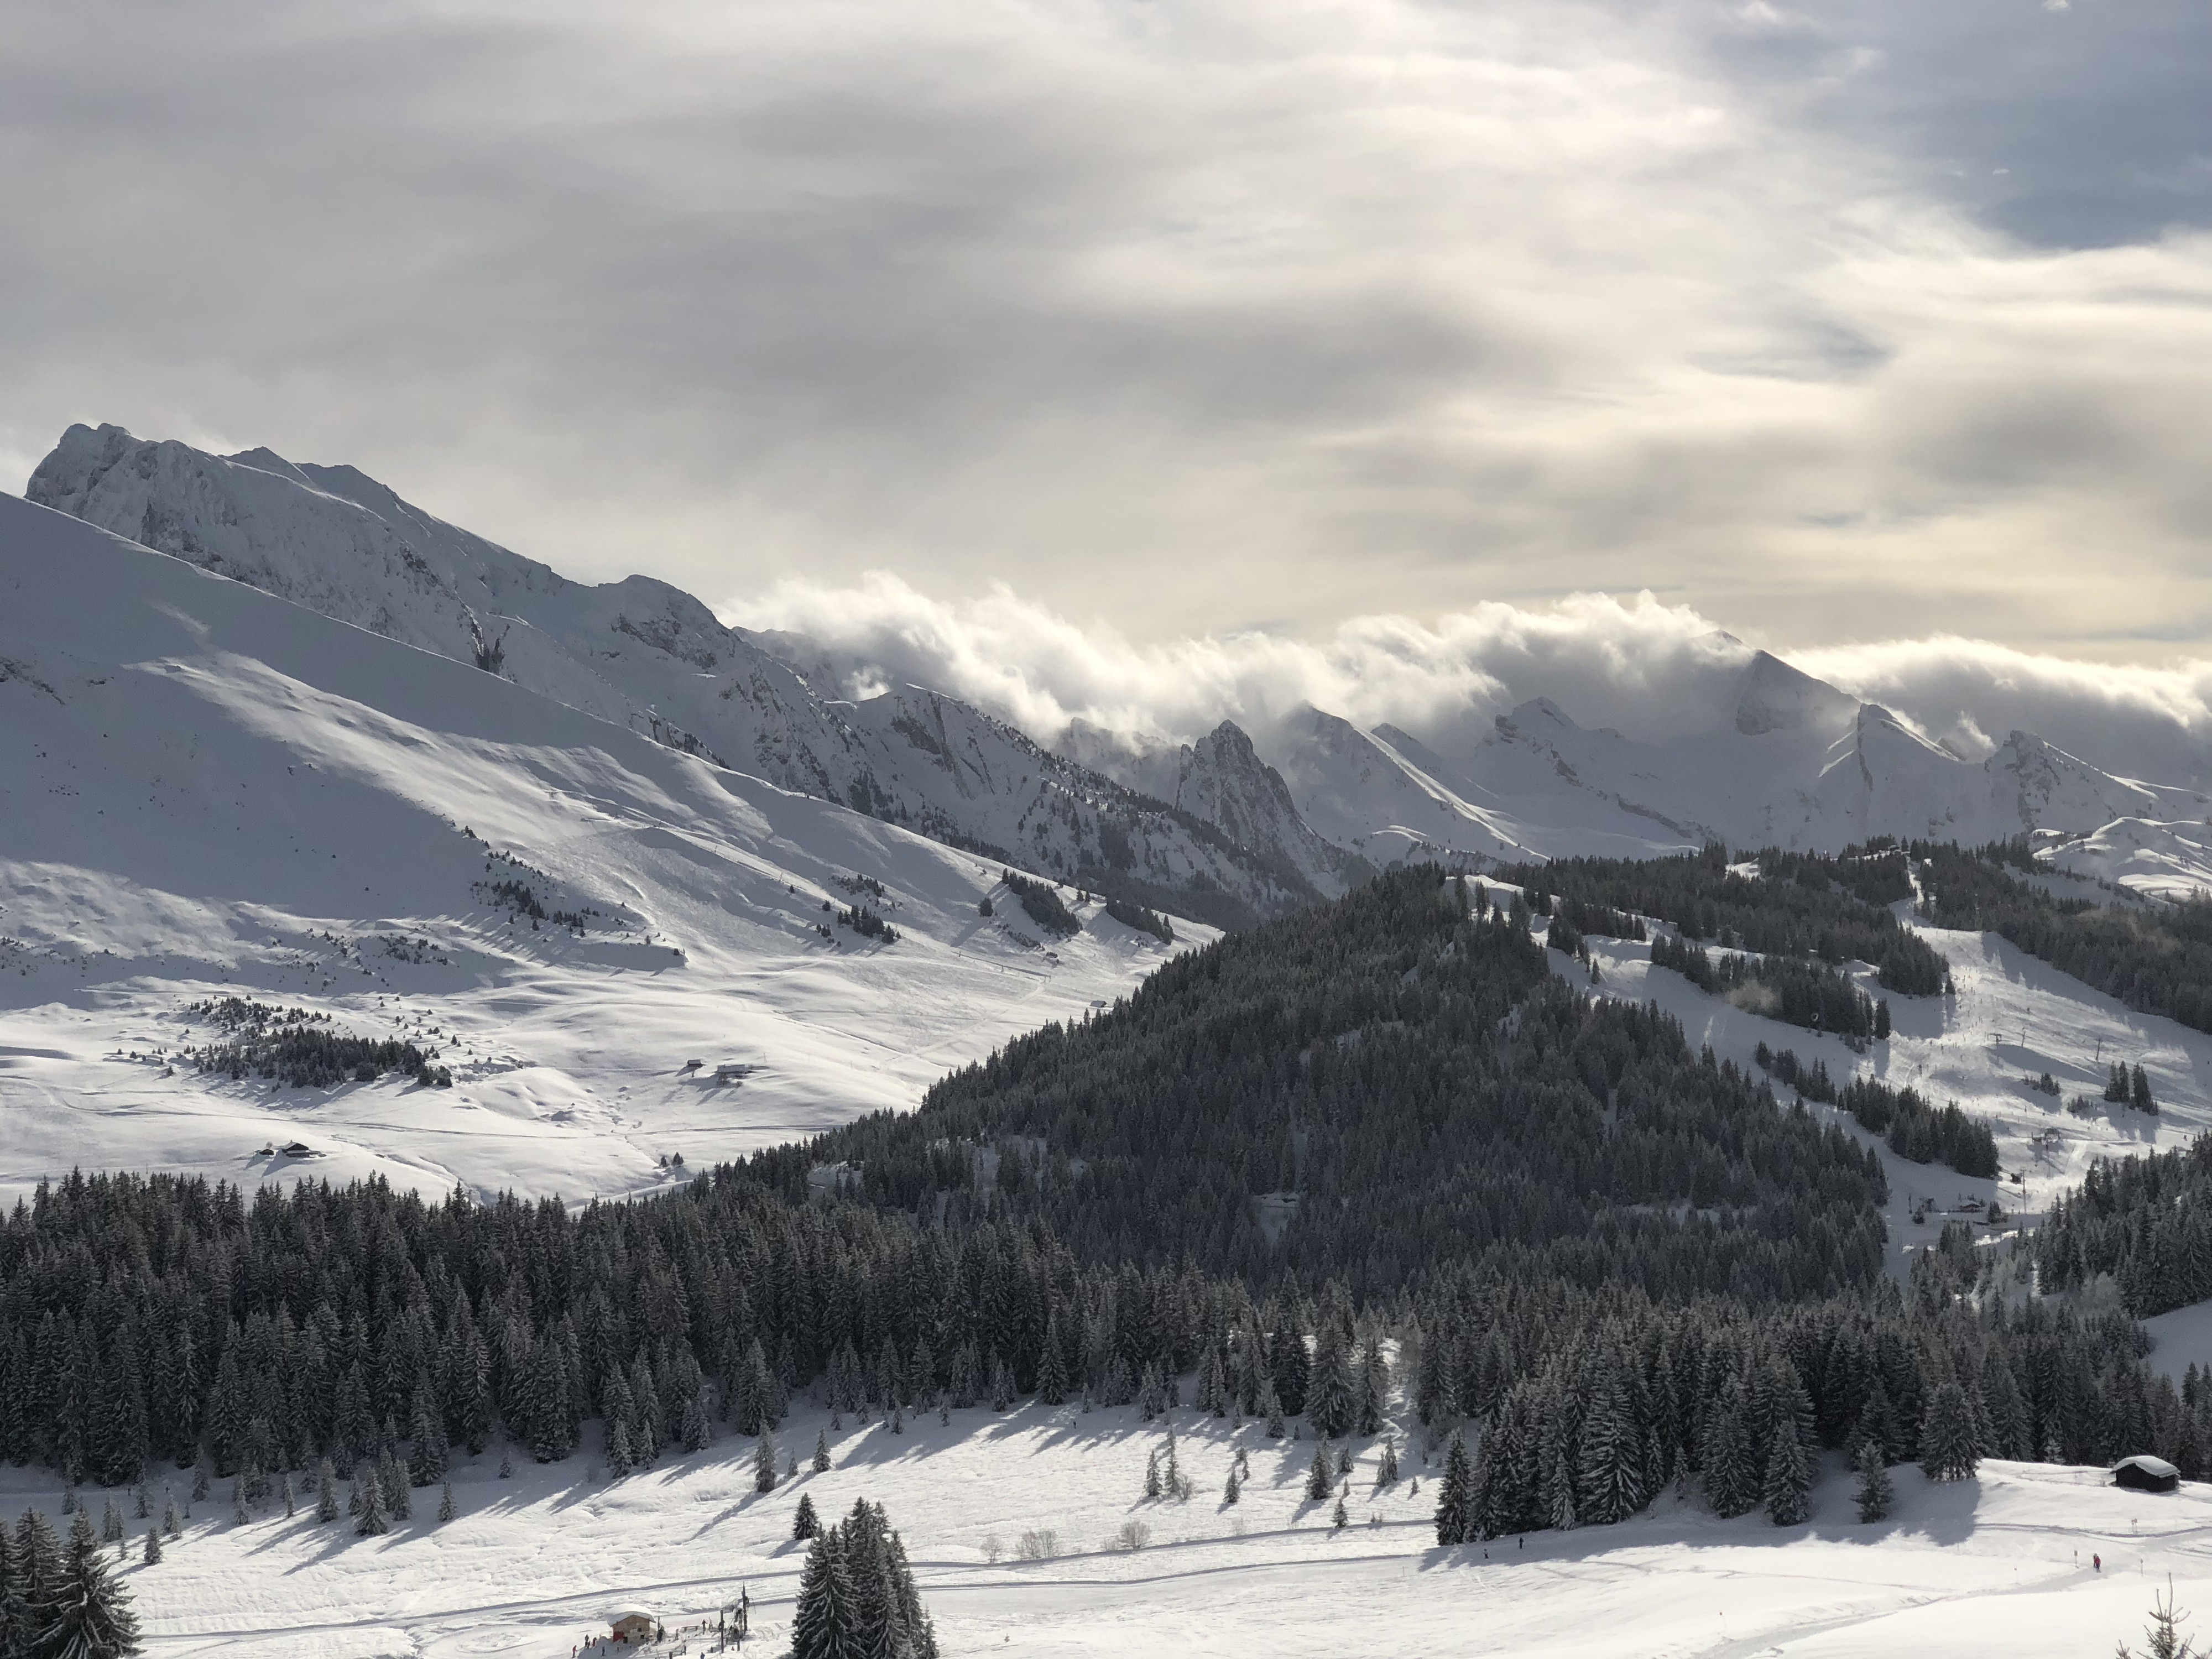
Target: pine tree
x,y
399,1495
878,1619
1052,1369
238,1515
1320,1478
1331,1405
820,1451
1731,1478
445,1500
87,1615
823,1623
153,1556
2163,1636
1230,1491
370,1521
804,1523
172,1525
36,1579
326,1493
765,1462
506,1462
1337,1518
426,1461
1386,1466
1947,1435
1560,1508
1456,1504
1611,1462
1788,1480
1876,1495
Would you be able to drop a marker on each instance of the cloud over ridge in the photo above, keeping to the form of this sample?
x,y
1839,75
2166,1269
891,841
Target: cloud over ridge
x,y
1201,317
1651,670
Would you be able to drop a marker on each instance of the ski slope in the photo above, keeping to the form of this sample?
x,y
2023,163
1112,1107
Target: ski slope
x,y
530,1567
206,791
2013,1018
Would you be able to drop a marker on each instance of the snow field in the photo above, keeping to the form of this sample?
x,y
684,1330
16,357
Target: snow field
x,y
530,1567
206,792
2014,1017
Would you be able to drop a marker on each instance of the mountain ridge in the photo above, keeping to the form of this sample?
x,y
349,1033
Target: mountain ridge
x,y
1233,824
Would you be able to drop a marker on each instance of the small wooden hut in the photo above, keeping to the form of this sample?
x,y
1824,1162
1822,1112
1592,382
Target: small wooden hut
x,y
2146,1474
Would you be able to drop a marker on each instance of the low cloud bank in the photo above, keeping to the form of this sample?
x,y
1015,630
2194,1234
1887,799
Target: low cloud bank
x,y
1653,671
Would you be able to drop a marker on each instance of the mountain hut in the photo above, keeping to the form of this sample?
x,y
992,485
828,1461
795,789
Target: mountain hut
x,y
2146,1474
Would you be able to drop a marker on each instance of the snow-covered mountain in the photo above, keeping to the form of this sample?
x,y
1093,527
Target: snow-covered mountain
x,y
206,791
651,657
1799,764
1229,825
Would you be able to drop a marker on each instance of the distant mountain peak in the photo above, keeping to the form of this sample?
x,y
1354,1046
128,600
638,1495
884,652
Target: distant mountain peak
x,y
1537,711
1773,696
642,653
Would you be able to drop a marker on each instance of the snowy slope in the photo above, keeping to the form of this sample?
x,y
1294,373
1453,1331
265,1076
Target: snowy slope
x,y
204,789
2156,859
2013,1018
636,651
1301,805
531,1566
1791,762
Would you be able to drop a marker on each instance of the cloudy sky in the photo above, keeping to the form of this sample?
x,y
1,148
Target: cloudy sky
x,y
1187,322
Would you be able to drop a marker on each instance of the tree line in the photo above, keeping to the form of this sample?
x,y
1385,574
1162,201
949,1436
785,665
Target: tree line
x,y
2145,1221
1560,1213
1374,1089
1811,906
1914,1127
2156,958
1797,993
301,1050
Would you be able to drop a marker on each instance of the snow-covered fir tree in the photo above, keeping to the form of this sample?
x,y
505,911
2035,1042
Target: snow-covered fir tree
x,y
857,1596
1455,1500
1321,1474
1789,1478
1948,1450
1874,1495
72,1607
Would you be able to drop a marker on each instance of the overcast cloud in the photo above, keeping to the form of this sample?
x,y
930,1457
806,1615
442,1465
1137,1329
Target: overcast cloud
x,y
1862,322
